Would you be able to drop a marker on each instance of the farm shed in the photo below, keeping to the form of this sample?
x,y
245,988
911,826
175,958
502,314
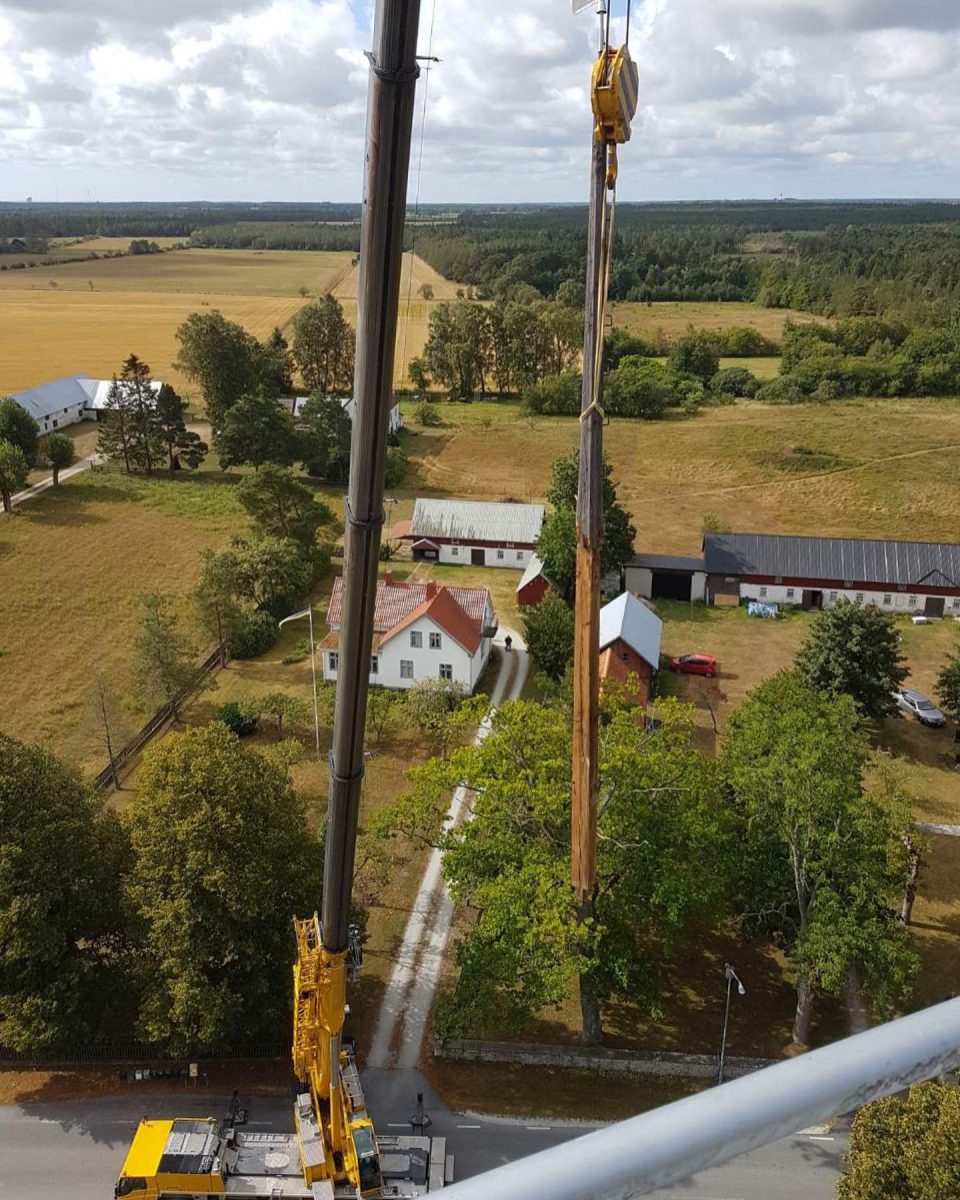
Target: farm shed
x,y
533,585
812,572
665,577
57,403
475,533
630,644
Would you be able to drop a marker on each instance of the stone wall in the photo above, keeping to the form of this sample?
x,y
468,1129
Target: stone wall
x,y
595,1058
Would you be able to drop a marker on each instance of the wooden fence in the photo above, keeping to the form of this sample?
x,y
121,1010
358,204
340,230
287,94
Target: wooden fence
x,y
155,724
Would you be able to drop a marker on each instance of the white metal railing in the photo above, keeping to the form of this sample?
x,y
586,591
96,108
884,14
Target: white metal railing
x,y
671,1143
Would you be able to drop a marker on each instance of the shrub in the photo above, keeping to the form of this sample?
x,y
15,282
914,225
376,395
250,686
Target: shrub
x,y
396,467
237,721
783,390
251,633
734,381
555,396
426,413
297,652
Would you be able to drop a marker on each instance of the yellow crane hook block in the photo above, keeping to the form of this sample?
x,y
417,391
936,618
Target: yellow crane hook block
x,y
616,85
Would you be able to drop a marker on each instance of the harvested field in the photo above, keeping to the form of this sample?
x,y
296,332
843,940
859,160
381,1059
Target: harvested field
x,y
674,316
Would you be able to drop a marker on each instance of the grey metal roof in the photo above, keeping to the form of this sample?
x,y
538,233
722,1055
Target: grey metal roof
x,y
47,399
666,562
476,520
853,559
629,619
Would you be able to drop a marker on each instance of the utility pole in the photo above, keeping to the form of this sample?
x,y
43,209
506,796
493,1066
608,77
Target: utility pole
x,y
586,641
390,104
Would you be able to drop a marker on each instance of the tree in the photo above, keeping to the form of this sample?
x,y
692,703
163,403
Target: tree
x,y
324,434
14,470
527,942
548,631
164,661
905,1148
18,428
216,595
948,684
140,403
61,852
395,468
695,354
419,375
855,651
255,430
564,326
115,427
444,711
557,549
639,387
223,861
181,444
820,872
276,365
57,449
273,573
384,711
458,347
108,723
323,346
282,507
222,358
279,705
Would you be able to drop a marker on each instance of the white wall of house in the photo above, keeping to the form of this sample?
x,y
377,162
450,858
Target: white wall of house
x,y
893,600
493,556
409,657
57,420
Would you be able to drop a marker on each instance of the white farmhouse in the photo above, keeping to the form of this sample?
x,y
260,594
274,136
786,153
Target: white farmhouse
x,y
475,533
395,424
420,631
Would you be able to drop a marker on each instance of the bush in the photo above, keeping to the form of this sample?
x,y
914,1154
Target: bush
x,y
555,396
783,390
639,387
251,633
396,468
237,721
734,381
426,413
297,652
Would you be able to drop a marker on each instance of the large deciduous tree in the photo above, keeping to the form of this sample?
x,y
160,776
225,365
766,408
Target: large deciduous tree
x,y
14,470
324,430
61,853
443,710
224,860
821,868
18,428
282,507
57,450
905,1147
222,358
216,596
528,941
255,430
548,631
273,573
323,346
855,651
458,348
164,660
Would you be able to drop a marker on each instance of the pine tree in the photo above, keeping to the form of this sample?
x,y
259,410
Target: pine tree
x,y
182,444
115,433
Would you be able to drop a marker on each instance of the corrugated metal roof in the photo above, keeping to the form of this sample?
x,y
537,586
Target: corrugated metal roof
x,y
47,399
850,559
100,392
533,570
628,619
666,562
477,520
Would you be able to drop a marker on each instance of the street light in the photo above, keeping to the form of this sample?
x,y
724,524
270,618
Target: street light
x,y
390,501
729,975
298,616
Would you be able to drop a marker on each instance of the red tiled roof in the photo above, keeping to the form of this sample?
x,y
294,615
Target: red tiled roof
x,y
457,610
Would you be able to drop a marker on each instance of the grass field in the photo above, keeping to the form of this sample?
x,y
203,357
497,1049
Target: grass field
x,y
89,316
674,316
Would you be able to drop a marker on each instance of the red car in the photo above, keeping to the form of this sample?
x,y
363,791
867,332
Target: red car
x,y
695,664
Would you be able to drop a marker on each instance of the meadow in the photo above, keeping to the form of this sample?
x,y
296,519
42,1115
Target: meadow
x,y
88,316
674,316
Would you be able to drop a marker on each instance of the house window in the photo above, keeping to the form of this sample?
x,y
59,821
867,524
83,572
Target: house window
x,y
888,599
859,598
519,556
406,668
434,641
66,412
416,639
374,664
956,603
334,660
912,602
446,670
833,597
789,593
499,554
56,424
763,592
454,551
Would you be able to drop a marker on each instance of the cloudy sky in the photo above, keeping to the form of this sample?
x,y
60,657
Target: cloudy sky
x,y
264,99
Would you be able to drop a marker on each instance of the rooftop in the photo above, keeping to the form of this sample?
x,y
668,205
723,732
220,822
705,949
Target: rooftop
x,y
477,520
629,620
46,399
666,562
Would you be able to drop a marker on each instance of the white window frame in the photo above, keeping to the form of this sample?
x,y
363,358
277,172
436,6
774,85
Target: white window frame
x,y
790,593
763,593
406,668
912,600
446,671
333,660
501,554
519,556
374,664
436,641
416,639
859,598
455,551
833,597
888,598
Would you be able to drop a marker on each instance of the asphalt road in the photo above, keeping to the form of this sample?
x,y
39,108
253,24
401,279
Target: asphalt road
x,y
75,1149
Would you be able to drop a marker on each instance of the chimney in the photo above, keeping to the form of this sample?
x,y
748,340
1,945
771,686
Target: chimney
x,y
388,578
431,588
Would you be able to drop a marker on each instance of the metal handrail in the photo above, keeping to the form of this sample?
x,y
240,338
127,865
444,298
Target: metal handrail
x,y
671,1143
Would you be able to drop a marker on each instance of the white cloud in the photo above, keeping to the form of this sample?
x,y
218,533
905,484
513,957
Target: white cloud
x,y
265,99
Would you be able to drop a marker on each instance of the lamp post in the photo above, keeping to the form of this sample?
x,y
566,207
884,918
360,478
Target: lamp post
x,y
297,616
729,975
389,501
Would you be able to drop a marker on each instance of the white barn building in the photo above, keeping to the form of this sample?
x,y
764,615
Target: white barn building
x,y
69,400
420,631
475,533
296,404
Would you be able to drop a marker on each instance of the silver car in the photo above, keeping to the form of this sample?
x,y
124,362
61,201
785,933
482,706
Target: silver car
x,y
917,705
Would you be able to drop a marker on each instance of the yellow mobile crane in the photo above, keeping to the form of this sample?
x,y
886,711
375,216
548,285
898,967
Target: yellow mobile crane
x,y
334,1151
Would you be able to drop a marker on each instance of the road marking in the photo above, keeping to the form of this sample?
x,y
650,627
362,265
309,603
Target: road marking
x,y
542,1128
469,1126
814,1130
398,1124
819,1137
